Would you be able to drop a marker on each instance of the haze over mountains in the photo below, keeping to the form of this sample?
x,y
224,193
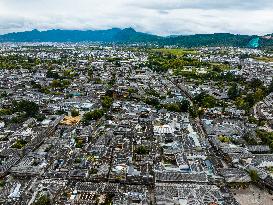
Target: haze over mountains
x,y
129,35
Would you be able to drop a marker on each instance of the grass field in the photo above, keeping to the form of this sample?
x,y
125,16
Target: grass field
x,y
264,59
176,51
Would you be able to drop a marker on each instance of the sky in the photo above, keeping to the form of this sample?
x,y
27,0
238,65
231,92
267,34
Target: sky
x,y
161,17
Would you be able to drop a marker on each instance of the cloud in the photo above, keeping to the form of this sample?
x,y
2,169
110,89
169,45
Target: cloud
x,y
163,17
203,4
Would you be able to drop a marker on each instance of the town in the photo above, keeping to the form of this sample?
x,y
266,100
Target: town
x,y
98,124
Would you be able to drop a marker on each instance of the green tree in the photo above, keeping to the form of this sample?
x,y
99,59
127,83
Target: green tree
x,y
51,74
153,92
259,94
205,100
266,137
184,106
79,143
270,88
131,90
5,112
256,83
97,81
43,200
74,112
2,183
152,101
224,139
19,144
106,102
93,115
30,108
193,112
142,150
56,84
35,85
3,94
254,175
234,91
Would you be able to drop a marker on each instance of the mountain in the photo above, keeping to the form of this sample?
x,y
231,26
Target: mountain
x,y
129,35
217,39
110,35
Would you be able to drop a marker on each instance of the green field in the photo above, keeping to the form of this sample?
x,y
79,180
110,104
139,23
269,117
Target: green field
x,y
176,51
264,59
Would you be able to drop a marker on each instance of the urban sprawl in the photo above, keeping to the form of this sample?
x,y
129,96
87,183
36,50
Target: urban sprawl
x,y
108,124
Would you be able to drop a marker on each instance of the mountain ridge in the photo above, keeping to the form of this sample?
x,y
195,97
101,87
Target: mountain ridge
x,y
130,35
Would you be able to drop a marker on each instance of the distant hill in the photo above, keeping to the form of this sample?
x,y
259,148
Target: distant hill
x,y
129,35
217,39
110,35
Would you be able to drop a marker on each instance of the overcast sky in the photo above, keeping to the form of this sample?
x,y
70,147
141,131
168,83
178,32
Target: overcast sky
x,y
162,17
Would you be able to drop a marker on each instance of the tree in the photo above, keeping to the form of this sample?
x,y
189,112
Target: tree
x,y
193,112
43,200
205,100
93,115
224,139
74,112
173,107
250,138
79,143
19,144
97,81
254,175
256,83
35,85
51,74
240,102
152,101
142,150
266,137
131,90
30,108
2,183
234,91
3,94
270,88
106,102
90,73
5,112
40,117
184,105
153,92
259,95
